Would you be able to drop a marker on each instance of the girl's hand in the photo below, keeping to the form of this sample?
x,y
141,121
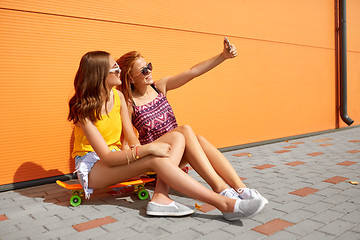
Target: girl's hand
x,y
227,52
160,149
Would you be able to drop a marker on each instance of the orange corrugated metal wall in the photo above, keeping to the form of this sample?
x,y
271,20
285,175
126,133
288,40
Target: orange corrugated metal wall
x,y
281,84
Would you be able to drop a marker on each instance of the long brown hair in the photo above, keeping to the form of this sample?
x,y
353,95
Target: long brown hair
x,y
126,63
90,87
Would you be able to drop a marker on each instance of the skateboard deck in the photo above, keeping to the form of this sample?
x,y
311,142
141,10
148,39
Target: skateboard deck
x,y
138,183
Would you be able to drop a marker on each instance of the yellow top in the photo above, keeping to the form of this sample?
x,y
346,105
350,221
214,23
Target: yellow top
x,y
110,127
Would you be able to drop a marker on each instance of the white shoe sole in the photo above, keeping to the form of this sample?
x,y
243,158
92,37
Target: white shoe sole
x,y
169,214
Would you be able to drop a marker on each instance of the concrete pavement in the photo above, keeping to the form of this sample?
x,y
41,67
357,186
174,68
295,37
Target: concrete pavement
x,y
305,181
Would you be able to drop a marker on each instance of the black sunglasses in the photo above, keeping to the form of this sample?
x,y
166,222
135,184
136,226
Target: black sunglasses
x,y
145,70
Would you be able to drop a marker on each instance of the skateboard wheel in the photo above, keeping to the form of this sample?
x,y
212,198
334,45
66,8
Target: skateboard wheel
x,y
143,194
75,200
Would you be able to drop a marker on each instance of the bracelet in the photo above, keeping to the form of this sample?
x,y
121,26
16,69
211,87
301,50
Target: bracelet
x,y
133,155
127,157
137,155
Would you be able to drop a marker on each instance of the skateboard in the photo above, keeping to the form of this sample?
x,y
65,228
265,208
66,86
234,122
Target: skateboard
x,y
138,184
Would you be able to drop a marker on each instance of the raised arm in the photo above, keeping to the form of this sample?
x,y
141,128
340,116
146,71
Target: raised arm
x,y
173,82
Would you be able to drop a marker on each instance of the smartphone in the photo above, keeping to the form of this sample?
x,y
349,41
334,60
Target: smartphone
x,y
228,43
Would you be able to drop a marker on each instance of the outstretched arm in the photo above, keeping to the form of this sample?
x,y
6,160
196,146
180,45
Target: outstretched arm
x,y
172,82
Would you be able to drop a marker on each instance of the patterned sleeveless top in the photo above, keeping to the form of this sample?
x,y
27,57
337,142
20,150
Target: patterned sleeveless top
x,y
154,119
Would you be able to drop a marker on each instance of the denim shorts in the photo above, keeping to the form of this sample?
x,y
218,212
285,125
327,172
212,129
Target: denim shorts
x,y
83,165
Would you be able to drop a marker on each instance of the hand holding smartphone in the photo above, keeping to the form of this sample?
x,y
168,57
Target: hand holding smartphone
x,y
228,43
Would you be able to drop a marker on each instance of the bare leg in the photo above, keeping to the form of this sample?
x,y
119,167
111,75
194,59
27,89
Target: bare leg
x,y
161,191
196,157
102,176
221,165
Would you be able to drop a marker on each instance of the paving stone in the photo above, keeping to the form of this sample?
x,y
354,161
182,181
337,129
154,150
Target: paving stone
x,y
297,216
117,234
286,198
126,222
93,223
182,224
53,234
238,227
336,227
249,235
16,204
282,235
30,223
6,229
346,163
295,163
268,215
303,192
352,192
153,222
334,207
356,228
272,226
151,233
336,199
85,235
320,185
316,235
35,230
291,206
349,235
326,216
216,235
66,223
3,217
329,192
211,226
318,207
310,199
336,179
17,220
346,207
100,214
188,234
264,166
304,227
351,217
343,186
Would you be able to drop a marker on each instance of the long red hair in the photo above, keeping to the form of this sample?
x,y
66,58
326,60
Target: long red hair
x,y
126,63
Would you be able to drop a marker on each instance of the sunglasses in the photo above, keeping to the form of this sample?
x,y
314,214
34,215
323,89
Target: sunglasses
x,y
145,70
115,69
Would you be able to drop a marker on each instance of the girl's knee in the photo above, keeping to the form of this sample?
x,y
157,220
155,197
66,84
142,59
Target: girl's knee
x,y
177,137
185,129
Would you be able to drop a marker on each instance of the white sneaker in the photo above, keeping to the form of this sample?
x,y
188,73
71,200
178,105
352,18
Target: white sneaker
x,y
230,193
244,209
248,193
